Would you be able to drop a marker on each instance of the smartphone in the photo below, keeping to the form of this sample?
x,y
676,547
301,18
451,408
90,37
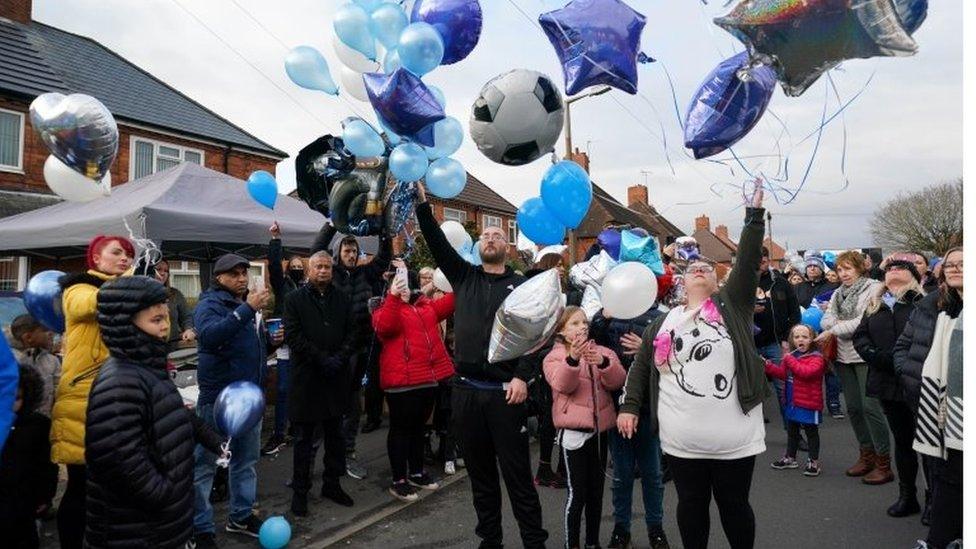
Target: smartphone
x,y
402,274
257,283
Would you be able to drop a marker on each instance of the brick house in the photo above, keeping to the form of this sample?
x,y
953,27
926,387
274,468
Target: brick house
x,y
478,203
159,127
718,247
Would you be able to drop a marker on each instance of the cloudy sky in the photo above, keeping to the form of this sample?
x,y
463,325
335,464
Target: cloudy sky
x,y
903,133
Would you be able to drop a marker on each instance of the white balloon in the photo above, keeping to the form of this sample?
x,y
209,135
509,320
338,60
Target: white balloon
x,y
628,290
458,237
352,58
442,283
352,83
71,185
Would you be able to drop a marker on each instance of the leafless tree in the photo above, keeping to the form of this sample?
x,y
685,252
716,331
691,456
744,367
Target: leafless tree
x,y
928,220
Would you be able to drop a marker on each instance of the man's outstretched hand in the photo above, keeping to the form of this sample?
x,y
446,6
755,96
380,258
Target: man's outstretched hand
x,y
757,194
421,193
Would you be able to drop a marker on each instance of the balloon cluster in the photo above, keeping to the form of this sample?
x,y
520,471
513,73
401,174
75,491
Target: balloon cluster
x,y
83,139
461,241
566,193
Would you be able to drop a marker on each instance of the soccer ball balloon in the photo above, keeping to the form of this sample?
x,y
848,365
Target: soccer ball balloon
x,y
517,117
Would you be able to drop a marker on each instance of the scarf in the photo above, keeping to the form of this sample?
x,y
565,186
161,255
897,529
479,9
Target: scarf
x,y
940,407
845,306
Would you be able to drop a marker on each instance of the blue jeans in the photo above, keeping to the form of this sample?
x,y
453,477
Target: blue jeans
x,y
774,352
833,390
281,401
643,451
242,481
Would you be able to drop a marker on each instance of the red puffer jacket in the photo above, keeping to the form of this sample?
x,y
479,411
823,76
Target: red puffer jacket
x,y
808,374
413,352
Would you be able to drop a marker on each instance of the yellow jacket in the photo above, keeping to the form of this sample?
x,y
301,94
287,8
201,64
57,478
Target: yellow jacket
x,y
84,355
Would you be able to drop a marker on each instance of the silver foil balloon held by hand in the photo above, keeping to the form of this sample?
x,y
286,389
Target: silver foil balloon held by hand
x,y
591,273
78,130
527,318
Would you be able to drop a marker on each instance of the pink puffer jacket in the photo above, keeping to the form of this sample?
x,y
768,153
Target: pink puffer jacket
x,y
579,390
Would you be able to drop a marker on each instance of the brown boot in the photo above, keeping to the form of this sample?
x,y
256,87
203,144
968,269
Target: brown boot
x,y
864,464
882,471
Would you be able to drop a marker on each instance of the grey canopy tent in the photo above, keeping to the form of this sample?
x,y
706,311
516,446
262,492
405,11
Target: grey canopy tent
x,y
189,211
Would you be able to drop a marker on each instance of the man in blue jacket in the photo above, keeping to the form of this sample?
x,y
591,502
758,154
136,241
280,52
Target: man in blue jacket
x,y
232,345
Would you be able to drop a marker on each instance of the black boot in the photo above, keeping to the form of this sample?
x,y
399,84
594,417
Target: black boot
x,y
299,504
334,492
927,512
907,503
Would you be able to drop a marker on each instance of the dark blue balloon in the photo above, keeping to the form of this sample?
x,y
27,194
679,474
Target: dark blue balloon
x,y
404,104
457,21
42,298
609,240
9,379
727,105
238,408
597,41
567,192
539,224
911,13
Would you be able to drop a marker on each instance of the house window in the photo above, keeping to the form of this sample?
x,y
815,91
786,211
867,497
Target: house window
x,y
451,214
491,221
149,157
185,277
13,273
512,231
11,140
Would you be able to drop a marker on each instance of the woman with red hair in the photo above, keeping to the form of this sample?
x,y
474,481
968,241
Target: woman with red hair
x,y
108,257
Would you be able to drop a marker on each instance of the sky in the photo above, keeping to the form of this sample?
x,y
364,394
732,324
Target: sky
x,y
904,132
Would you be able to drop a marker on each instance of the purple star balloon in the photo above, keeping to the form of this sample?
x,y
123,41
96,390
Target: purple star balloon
x,y
404,104
597,41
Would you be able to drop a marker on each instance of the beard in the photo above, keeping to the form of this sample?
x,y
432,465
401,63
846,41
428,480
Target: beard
x,y
493,255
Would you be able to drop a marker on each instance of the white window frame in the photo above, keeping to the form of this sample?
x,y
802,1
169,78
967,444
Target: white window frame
x,y
512,231
156,144
19,167
496,221
20,282
461,217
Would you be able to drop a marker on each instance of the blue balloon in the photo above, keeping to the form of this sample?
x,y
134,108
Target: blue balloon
x,y
351,23
307,68
457,21
473,255
392,137
539,224
609,240
643,248
420,48
408,162
391,62
387,22
728,105
911,13
567,192
42,298
439,95
446,178
263,188
448,135
812,317
830,258
239,407
361,139
9,380
275,533
404,104
597,41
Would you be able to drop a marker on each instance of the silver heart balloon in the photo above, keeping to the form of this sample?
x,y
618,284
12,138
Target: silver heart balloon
x,y
78,130
527,317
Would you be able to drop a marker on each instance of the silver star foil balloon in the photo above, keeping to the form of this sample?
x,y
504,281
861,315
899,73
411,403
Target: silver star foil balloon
x,y
591,273
78,130
527,318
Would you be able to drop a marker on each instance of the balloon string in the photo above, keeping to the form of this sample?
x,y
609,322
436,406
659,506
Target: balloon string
x,y
816,147
841,110
148,253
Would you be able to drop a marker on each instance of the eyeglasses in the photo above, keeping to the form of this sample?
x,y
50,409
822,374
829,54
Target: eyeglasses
x,y
490,237
704,269
953,266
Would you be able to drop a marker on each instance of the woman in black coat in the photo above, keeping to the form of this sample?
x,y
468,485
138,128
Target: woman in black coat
x,y
882,323
140,437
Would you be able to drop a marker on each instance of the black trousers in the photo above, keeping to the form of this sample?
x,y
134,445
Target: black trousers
x,y
946,525
409,411
493,437
71,510
901,422
333,453
373,394
793,439
442,423
585,472
696,480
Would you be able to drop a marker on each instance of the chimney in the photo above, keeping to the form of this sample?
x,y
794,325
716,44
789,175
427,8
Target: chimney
x,y
580,157
18,11
722,231
637,194
703,223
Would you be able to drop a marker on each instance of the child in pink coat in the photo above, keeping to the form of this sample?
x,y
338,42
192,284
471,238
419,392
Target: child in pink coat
x,y
582,374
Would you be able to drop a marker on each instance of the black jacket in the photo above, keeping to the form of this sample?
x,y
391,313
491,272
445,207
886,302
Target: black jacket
x,y
608,331
807,290
914,343
477,296
28,479
281,284
321,335
781,309
139,437
875,339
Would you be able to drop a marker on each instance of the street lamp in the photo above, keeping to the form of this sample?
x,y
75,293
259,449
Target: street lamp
x,y
567,124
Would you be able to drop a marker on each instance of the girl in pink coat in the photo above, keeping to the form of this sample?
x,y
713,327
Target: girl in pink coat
x,y
582,374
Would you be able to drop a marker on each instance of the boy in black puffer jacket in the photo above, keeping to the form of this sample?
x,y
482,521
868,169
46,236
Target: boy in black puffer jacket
x,y
140,438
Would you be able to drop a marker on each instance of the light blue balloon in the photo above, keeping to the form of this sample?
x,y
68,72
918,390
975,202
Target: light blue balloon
x,y
567,193
387,22
446,178
361,139
369,5
474,254
408,162
263,188
275,533
539,224
448,135
307,68
391,62
439,95
351,23
392,137
421,48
